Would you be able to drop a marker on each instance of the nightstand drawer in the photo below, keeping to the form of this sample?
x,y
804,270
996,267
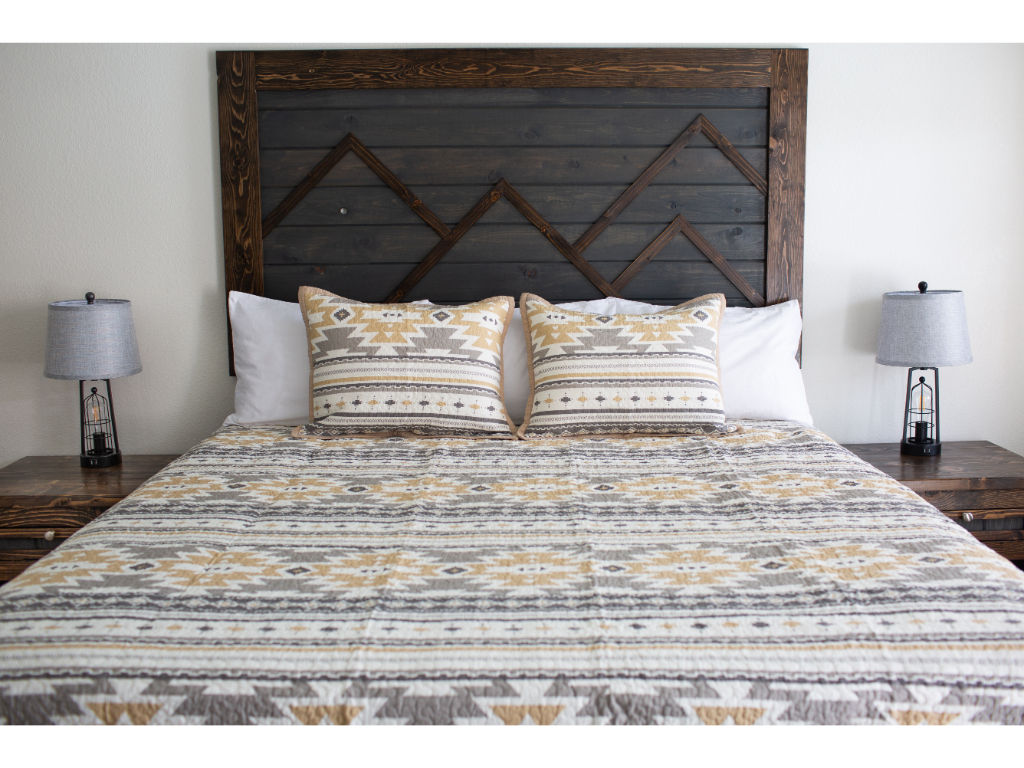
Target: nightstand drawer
x,y
46,499
974,500
17,560
62,512
1009,544
968,515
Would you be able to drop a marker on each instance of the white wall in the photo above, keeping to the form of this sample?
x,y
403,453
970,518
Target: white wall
x,y
109,181
915,171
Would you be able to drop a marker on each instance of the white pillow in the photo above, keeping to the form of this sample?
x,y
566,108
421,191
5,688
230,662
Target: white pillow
x,y
271,361
761,378
757,349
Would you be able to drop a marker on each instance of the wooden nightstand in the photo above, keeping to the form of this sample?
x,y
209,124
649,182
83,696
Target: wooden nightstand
x,y
977,483
45,499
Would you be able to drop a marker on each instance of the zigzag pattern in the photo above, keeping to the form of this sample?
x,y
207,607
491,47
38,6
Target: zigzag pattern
x,y
503,189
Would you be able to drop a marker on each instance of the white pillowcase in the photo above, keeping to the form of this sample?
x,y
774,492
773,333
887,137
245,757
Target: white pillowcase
x,y
761,378
271,361
757,356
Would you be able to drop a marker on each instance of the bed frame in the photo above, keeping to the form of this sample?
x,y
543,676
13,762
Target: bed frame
x,y
655,174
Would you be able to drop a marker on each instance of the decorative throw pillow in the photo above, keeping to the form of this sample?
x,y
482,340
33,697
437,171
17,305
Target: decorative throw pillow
x,y
405,369
599,374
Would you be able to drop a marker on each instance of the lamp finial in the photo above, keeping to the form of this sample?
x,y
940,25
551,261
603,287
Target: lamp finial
x,y
922,287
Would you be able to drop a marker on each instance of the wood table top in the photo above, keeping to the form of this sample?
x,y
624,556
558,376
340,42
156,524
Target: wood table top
x,y
962,464
64,476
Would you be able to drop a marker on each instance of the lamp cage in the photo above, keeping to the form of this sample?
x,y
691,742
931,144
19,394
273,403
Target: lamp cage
x,y
100,447
921,415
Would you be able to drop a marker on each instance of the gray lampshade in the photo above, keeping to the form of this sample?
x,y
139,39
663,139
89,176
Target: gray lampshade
x,y
926,329
91,341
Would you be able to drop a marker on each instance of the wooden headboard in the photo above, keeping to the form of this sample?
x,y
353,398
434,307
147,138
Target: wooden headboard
x,y
655,174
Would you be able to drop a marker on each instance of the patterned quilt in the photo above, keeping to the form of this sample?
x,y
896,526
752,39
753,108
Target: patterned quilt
x,y
766,576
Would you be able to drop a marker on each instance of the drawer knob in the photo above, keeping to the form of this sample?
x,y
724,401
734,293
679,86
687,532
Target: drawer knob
x,y
49,535
967,516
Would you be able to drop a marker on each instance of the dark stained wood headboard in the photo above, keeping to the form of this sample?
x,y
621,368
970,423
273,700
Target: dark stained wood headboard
x,y
654,174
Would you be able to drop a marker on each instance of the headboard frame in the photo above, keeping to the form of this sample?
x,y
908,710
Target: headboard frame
x,y
653,173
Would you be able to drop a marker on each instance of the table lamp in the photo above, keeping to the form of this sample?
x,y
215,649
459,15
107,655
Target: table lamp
x,y
93,340
923,330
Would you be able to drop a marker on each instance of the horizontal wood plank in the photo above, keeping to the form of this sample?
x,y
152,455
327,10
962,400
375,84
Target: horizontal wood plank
x,y
962,465
555,281
13,562
499,242
514,68
1009,544
379,206
36,478
989,519
520,165
17,513
750,98
976,500
527,127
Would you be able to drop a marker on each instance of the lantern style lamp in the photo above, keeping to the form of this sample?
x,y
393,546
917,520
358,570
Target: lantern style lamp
x,y
923,330
93,341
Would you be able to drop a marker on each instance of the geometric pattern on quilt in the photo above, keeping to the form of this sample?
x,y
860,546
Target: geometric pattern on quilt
x,y
596,374
685,700
761,576
405,369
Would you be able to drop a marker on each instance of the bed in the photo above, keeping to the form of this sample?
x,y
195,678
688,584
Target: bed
x,y
756,573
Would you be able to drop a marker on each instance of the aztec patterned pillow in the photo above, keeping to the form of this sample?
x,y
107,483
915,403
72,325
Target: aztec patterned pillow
x,y
405,369
598,374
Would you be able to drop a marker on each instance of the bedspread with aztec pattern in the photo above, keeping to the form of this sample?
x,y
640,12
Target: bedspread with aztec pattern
x,y
766,576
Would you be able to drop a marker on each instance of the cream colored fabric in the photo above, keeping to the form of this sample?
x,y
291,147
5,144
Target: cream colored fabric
x,y
394,369
654,373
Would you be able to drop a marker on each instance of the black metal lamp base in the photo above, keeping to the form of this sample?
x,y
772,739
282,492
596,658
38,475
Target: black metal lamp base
x,y
94,461
920,448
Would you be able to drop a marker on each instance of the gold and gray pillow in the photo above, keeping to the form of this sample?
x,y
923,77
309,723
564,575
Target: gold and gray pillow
x,y
405,369
599,374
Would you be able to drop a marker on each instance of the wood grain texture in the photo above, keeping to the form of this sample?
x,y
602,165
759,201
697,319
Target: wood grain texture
x,y
1009,544
680,226
321,245
543,100
514,68
639,184
51,476
962,465
352,144
990,514
20,513
416,166
787,130
501,190
380,207
240,170
239,177
457,283
14,561
732,153
421,98
46,499
531,127
969,500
